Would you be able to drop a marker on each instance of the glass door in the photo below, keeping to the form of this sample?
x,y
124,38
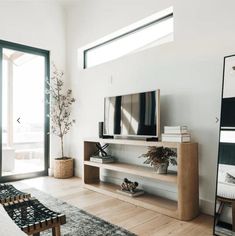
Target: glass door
x,y
24,148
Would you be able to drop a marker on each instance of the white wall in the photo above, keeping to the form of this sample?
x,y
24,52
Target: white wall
x,y
38,24
188,72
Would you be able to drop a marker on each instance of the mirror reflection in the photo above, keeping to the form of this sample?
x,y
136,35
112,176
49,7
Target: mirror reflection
x,y
225,194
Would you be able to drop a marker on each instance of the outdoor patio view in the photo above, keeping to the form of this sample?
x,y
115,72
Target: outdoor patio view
x,y
23,112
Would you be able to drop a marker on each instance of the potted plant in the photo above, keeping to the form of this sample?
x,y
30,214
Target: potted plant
x,y
159,158
61,122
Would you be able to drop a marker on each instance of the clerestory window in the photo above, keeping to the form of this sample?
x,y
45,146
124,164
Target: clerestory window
x,y
150,32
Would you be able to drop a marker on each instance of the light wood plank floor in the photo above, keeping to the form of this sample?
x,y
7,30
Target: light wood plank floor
x,y
135,219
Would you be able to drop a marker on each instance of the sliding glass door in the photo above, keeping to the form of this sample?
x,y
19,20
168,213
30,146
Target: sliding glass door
x,y
24,123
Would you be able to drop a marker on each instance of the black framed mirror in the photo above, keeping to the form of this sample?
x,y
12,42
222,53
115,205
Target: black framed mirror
x,y
224,219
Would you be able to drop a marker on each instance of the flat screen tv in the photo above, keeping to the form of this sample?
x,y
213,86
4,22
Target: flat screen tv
x,y
133,115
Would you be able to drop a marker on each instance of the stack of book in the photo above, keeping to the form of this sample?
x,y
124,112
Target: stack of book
x,y
176,134
102,160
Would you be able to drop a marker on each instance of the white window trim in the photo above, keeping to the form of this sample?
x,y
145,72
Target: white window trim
x,y
9,127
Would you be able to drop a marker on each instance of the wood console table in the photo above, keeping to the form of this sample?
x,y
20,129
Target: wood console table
x,y
187,205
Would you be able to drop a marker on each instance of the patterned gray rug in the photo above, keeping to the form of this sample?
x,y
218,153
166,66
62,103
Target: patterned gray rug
x,y
79,222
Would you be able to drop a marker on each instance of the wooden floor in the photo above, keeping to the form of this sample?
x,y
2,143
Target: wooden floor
x,y
135,219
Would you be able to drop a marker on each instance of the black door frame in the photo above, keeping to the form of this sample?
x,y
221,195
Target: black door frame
x,y
46,55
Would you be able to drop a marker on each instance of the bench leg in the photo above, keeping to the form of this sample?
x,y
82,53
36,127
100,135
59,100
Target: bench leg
x,y
56,231
37,234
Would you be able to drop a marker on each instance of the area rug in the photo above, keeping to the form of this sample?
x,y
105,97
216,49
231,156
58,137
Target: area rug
x,y
78,222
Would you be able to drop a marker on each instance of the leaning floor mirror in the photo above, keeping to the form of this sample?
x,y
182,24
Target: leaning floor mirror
x,y
224,223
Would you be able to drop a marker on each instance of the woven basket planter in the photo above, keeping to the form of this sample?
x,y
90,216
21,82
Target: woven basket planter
x,y
63,168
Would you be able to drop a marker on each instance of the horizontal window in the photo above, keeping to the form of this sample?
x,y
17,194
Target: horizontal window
x,y
149,34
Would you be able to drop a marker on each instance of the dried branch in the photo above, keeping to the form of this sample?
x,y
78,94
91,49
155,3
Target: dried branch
x,y
61,104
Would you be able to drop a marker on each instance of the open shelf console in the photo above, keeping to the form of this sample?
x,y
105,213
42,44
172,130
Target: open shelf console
x,y
186,179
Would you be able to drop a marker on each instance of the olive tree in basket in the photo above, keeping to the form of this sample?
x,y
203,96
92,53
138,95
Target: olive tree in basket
x,y
61,121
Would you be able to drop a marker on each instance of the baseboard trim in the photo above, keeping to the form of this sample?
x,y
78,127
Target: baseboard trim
x,y
207,207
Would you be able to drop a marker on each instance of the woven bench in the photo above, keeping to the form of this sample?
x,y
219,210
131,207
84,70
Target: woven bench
x,y
33,217
28,213
8,193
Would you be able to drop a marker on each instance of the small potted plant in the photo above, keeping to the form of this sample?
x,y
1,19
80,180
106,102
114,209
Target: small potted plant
x,y
159,158
61,122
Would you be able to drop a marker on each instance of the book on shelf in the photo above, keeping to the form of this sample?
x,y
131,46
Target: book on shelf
x,y
137,192
102,160
181,138
176,129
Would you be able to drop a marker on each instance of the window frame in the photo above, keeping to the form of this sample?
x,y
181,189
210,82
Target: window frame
x,y
162,18
46,54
